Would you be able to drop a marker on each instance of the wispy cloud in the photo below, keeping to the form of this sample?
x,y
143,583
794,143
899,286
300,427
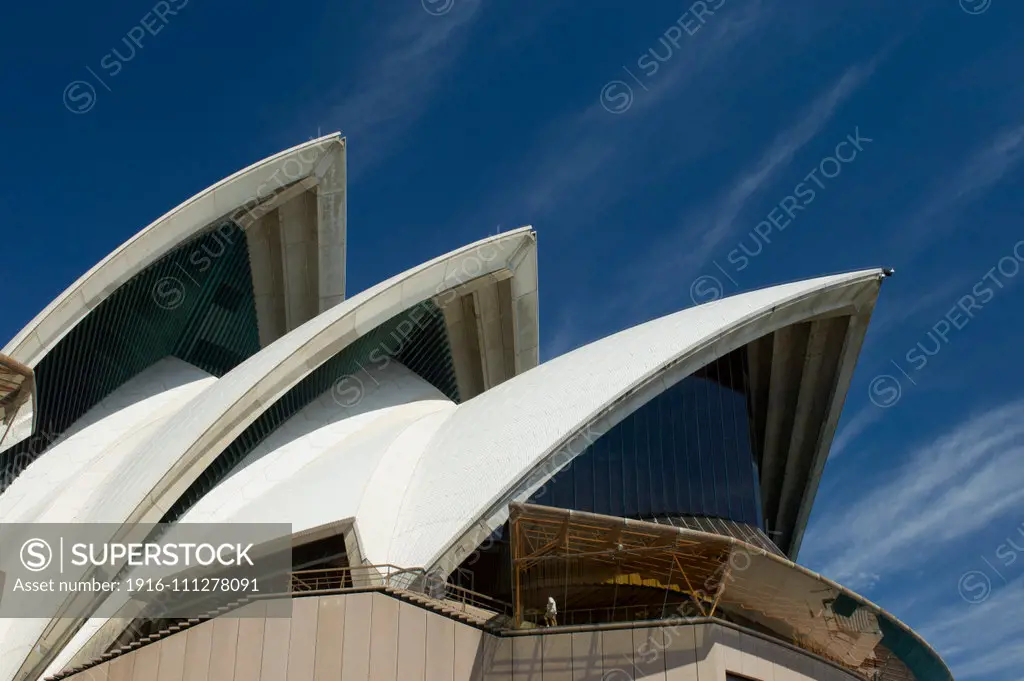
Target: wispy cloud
x,y
947,489
895,313
582,161
399,79
710,225
983,170
981,640
702,230
857,424
590,159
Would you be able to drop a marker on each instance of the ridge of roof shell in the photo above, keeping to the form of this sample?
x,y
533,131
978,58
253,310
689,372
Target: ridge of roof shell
x,y
301,189
469,459
494,443
436,477
156,239
175,452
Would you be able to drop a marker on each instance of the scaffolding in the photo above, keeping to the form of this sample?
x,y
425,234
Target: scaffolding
x,y
605,569
17,385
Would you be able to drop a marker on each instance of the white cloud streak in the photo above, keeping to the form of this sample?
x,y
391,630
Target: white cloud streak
x,y
701,231
897,312
983,170
983,640
398,83
944,491
723,213
582,161
854,427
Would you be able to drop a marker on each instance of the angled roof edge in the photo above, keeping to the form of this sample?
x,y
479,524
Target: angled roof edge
x,y
163,466
632,366
243,188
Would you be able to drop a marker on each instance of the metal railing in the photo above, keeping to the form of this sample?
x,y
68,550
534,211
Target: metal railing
x,y
357,576
411,580
472,599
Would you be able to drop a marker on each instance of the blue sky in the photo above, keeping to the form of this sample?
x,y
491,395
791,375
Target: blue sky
x,y
656,152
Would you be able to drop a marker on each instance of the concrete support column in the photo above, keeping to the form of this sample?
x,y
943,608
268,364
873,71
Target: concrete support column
x,y
331,227
300,263
264,241
489,331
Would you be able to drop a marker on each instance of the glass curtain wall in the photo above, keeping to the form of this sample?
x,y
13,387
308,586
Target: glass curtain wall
x,y
687,452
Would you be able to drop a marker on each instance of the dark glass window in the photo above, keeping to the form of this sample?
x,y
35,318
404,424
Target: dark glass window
x,y
668,450
195,303
687,452
582,473
628,465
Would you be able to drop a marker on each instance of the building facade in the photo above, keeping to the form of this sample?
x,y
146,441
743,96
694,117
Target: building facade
x,y
440,484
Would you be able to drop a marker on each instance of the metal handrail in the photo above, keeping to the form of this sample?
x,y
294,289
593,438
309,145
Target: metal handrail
x,y
475,599
415,580
355,576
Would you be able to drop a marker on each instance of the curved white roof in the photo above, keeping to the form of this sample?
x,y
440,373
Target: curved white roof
x,y
422,476
271,200
423,481
495,448
328,463
166,459
246,187
318,466
57,487
417,480
167,463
